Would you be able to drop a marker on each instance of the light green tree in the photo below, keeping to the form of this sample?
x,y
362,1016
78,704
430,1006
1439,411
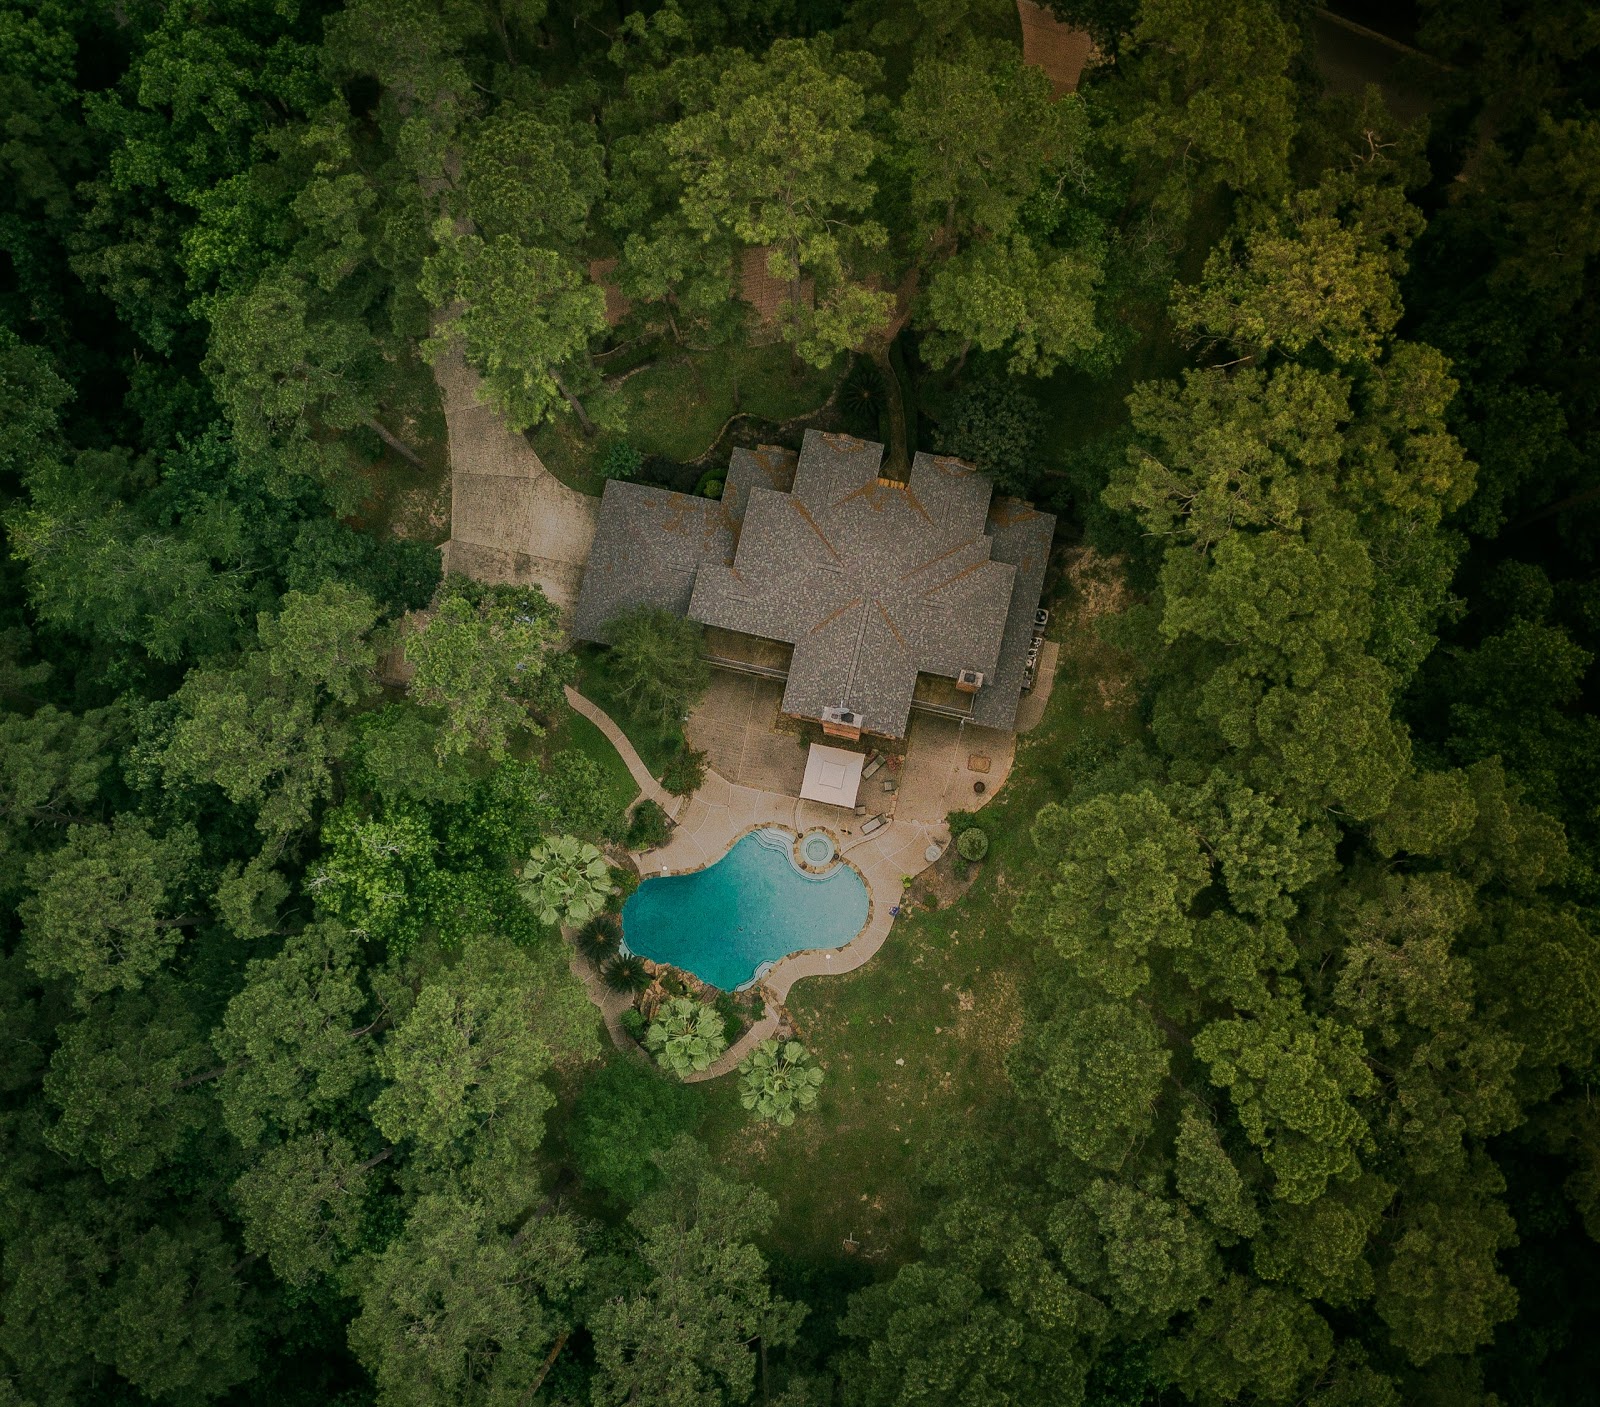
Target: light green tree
x,y
688,1333
120,1080
1096,1068
301,1204
1122,873
458,1309
778,1081
524,315
685,1036
1295,1080
483,658
291,1039
565,880
466,1066
778,159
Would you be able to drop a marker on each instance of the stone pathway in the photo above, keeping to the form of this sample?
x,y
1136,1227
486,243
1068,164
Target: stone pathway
x,y
648,785
511,520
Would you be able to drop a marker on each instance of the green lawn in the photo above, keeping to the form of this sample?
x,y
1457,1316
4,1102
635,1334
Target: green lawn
x,y
573,730
913,1042
655,742
676,407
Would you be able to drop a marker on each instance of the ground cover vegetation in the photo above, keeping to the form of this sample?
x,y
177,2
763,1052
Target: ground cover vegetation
x,y
1255,1064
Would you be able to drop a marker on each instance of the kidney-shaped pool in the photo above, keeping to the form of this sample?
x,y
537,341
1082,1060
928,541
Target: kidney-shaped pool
x,y
753,906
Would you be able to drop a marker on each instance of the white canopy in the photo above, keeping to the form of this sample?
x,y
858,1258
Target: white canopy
x,y
832,775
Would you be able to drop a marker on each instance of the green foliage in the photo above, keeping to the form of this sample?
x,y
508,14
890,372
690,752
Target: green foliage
x,y
656,662
485,656
686,1036
685,771
101,909
565,881
972,844
996,423
684,1334
621,461
600,938
625,1115
625,973
778,1081
524,316
650,826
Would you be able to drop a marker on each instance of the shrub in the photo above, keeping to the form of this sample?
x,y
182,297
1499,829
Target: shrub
x,y
713,489
972,844
650,827
685,772
959,821
625,973
600,939
565,880
656,663
777,1081
633,1023
686,1036
621,461
996,423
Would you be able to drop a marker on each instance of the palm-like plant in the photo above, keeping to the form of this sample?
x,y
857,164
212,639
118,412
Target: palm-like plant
x,y
686,1036
778,1081
565,880
625,974
600,939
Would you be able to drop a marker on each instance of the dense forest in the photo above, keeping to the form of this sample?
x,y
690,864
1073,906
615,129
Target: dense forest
x,y
300,1101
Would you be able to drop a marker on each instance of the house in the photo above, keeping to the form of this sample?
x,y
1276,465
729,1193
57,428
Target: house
x,y
869,598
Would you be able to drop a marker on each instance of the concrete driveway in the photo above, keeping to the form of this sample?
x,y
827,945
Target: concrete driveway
x,y
511,520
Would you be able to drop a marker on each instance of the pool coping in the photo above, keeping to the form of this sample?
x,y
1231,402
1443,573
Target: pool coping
x,y
758,978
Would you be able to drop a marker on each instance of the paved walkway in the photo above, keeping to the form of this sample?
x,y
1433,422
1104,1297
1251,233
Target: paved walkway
x,y
648,785
511,520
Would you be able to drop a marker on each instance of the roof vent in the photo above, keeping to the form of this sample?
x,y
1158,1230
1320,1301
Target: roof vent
x,y
969,681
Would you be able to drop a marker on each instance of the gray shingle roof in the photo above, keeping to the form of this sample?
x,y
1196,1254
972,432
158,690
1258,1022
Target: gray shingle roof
x,y
870,583
647,548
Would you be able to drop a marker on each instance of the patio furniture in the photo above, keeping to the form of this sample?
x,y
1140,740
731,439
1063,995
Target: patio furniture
x,y
874,762
889,784
873,824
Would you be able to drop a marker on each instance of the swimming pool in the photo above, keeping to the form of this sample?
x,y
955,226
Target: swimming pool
x,y
752,907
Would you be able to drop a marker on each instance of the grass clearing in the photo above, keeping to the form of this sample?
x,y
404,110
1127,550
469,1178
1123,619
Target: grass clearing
x,y
677,406
914,1042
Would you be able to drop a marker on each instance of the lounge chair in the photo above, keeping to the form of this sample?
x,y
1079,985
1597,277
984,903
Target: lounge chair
x,y
873,824
874,761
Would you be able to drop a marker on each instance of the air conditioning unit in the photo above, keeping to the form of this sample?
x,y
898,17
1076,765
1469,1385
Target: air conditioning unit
x,y
969,681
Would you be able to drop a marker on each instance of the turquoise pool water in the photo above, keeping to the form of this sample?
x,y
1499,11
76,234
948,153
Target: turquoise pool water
x,y
752,907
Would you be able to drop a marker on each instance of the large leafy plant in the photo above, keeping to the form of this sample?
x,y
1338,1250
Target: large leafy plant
x,y
565,880
686,1036
778,1081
